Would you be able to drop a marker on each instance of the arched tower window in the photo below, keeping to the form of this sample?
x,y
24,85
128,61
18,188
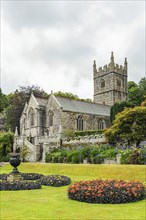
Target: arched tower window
x,y
31,117
80,123
118,82
102,83
101,124
50,118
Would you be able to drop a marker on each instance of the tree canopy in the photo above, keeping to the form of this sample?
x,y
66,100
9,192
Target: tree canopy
x,y
71,96
137,92
118,107
17,101
3,101
129,125
66,95
136,95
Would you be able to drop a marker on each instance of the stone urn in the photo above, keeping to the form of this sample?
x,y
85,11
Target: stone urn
x,y
15,162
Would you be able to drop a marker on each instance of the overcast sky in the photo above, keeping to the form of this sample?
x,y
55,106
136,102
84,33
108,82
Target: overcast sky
x,y
53,44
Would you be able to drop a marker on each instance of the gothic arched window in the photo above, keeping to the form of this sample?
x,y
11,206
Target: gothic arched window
x,y
31,117
50,118
102,82
101,124
118,82
80,123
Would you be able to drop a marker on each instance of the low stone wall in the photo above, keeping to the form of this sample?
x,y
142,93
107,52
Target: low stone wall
x,y
92,139
48,143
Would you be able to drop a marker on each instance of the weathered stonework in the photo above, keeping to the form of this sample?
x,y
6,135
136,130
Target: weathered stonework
x,y
90,122
110,83
44,120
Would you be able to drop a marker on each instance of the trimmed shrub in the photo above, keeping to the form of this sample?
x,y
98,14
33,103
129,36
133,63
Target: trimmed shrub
x,y
142,157
125,156
71,133
48,158
88,132
137,157
97,159
77,158
85,152
6,143
55,180
106,191
109,153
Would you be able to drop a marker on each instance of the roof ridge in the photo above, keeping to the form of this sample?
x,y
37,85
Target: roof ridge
x,y
84,101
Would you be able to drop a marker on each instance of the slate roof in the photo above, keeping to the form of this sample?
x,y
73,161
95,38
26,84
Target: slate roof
x,y
41,101
83,107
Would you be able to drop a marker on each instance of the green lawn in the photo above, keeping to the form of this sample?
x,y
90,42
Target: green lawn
x,y
51,203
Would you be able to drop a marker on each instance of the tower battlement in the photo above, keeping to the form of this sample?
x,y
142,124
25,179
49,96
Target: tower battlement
x,y
111,67
110,82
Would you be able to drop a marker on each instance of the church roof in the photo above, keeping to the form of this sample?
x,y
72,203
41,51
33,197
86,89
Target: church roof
x,y
42,101
83,107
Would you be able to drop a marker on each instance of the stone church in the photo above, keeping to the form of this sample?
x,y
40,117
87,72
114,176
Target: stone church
x,y
45,116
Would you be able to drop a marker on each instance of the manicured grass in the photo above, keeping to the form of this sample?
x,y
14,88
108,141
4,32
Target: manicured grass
x,y
51,203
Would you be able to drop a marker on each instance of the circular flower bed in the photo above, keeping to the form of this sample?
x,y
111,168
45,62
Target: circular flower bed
x,y
31,176
21,184
55,180
106,191
26,176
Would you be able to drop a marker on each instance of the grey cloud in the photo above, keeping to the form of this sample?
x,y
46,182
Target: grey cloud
x,y
70,52
42,13
77,49
34,14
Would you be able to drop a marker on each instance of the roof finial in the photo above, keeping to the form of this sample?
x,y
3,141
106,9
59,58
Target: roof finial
x,y
112,57
125,64
94,63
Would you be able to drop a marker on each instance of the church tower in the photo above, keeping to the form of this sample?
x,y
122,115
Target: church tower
x,y
110,82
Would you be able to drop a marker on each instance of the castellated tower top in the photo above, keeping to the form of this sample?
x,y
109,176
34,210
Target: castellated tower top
x,y
111,67
110,82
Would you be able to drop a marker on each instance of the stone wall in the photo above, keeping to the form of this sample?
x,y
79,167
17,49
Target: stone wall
x,y
90,122
115,79
54,107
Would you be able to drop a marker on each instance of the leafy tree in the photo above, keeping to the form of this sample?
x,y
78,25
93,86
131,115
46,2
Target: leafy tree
x,y
17,101
66,95
129,125
118,107
37,91
131,84
136,95
142,86
143,103
71,96
137,92
6,143
3,101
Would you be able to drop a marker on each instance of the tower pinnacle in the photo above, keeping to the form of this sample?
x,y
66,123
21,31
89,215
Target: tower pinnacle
x,y
125,64
94,64
112,58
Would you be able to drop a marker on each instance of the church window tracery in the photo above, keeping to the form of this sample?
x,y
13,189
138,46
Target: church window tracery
x,y
101,124
50,118
80,123
102,82
118,82
31,117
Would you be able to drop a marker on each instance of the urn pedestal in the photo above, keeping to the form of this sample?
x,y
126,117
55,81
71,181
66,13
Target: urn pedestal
x,y
15,162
